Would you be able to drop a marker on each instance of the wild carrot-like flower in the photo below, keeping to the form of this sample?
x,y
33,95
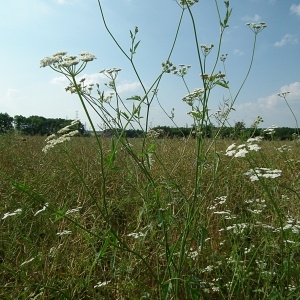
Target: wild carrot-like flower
x,y
64,232
64,135
136,235
66,64
255,173
270,130
16,212
100,284
188,2
242,150
27,261
257,27
44,208
206,49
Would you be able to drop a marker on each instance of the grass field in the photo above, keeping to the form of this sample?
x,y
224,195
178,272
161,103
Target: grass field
x,y
72,229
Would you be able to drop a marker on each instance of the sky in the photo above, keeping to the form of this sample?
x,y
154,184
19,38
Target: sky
x,y
33,29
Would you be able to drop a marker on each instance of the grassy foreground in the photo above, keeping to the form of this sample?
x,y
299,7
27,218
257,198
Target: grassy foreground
x,y
56,238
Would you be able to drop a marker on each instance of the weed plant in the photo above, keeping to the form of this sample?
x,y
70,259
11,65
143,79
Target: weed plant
x,y
149,218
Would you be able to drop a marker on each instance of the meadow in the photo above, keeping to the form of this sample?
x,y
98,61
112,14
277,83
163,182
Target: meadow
x,y
68,232
151,218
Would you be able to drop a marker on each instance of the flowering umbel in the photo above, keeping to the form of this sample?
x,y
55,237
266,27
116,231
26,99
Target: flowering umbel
x,y
257,27
67,64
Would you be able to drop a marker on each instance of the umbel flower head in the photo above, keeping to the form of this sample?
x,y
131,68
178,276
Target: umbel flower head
x,y
257,27
67,64
188,2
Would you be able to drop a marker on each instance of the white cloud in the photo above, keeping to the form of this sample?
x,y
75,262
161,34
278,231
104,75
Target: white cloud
x,y
123,87
93,78
272,108
128,87
238,52
273,100
293,88
287,39
60,80
256,18
89,79
12,93
295,9
12,99
61,1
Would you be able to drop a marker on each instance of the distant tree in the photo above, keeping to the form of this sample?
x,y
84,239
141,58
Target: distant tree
x,y
239,129
37,125
6,123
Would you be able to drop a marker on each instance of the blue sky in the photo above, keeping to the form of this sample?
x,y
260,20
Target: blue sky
x,y
33,29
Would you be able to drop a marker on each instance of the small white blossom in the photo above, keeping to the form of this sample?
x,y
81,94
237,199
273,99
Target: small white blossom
x,y
64,232
16,212
241,153
27,261
44,208
100,284
136,235
254,174
70,211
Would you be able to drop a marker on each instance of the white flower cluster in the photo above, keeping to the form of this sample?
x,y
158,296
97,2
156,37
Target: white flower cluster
x,y
256,206
257,27
100,284
154,134
255,173
182,70
237,228
196,94
168,67
206,49
136,235
188,2
284,148
242,150
64,232
270,130
61,60
43,209
292,224
16,212
65,134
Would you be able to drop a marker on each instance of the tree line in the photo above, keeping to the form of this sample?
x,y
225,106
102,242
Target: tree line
x,y
37,125
34,125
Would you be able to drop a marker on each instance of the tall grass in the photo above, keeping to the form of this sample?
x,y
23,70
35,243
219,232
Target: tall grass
x,y
150,218
236,247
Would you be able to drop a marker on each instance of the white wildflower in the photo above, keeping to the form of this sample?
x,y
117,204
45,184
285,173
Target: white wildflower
x,y
254,174
70,211
241,153
16,212
232,146
64,232
100,284
85,56
44,208
27,261
136,235
256,139
253,147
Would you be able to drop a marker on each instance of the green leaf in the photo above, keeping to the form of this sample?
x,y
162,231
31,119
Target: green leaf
x,y
60,214
125,115
135,98
223,84
135,46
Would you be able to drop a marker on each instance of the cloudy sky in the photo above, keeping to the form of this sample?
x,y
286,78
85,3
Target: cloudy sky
x,y
33,29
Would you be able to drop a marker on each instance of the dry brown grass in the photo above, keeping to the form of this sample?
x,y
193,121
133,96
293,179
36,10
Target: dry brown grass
x,y
69,266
